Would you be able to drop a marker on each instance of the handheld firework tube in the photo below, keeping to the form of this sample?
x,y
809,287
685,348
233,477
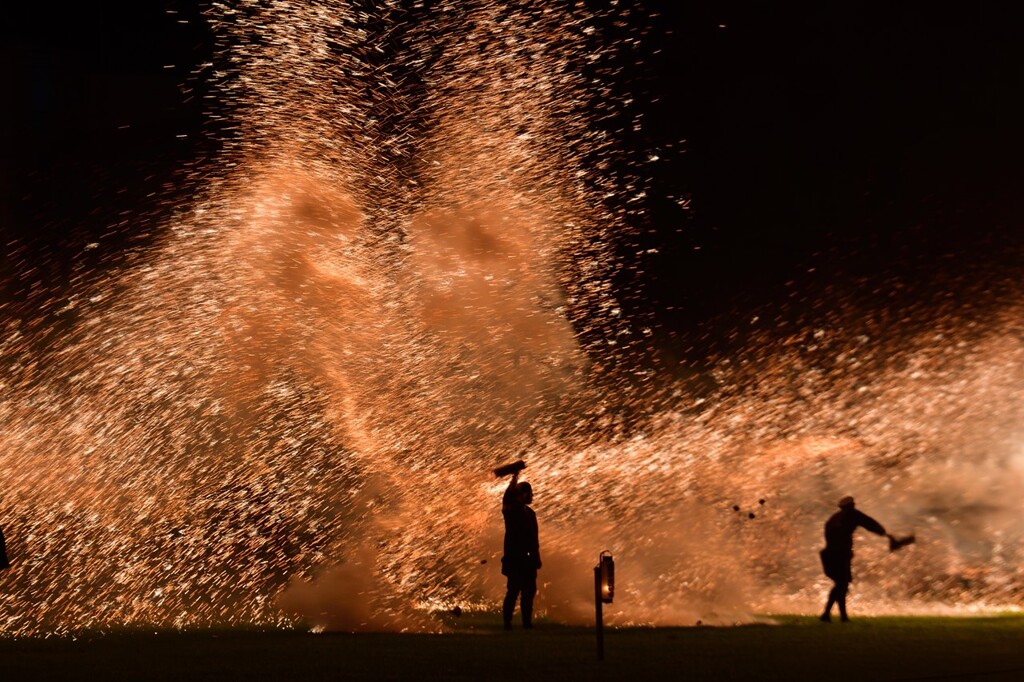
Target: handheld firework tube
x,y
896,543
508,469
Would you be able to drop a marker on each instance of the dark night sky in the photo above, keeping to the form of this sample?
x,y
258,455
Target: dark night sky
x,y
863,140
856,139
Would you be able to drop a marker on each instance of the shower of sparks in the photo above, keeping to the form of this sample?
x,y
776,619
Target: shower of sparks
x,y
287,410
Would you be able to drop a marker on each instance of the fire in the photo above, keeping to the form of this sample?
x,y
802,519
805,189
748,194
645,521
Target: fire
x,y
287,410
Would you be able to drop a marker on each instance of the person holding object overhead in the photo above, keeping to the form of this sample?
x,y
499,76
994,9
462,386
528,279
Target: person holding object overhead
x,y
521,558
837,557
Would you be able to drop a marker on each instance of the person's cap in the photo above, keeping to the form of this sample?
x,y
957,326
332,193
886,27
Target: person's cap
x,y
846,502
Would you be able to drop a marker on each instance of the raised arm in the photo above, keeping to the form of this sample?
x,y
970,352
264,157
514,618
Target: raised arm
x,y
508,500
869,524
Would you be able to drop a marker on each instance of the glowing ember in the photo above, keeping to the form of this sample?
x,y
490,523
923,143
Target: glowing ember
x,y
288,410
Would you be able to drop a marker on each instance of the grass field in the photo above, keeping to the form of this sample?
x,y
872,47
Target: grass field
x,y
794,648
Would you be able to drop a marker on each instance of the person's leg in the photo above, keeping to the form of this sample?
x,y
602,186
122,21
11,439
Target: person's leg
x,y
529,587
841,590
826,616
508,607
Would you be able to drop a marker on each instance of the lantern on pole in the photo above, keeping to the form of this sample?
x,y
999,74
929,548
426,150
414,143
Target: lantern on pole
x,y
607,566
604,592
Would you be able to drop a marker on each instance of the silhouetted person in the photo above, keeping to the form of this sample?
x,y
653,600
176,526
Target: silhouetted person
x,y
837,556
3,552
521,557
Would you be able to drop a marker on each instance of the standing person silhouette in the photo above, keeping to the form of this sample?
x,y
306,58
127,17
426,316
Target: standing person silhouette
x,y
521,558
837,556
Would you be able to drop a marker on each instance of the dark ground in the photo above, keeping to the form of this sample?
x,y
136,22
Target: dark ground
x,y
797,648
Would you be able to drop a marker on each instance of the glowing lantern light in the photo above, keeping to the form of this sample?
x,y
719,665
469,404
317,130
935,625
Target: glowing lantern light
x,y
607,566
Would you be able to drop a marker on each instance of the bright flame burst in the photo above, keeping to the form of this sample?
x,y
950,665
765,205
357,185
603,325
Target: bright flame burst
x,y
287,410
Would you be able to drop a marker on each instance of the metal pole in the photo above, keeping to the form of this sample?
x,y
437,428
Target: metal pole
x,y
600,612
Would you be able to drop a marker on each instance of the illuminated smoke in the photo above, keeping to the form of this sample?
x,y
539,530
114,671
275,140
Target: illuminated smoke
x,y
399,277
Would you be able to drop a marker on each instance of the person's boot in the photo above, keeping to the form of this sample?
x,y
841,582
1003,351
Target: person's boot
x,y
825,617
842,612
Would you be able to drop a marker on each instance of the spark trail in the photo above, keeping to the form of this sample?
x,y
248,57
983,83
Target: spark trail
x,y
400,275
